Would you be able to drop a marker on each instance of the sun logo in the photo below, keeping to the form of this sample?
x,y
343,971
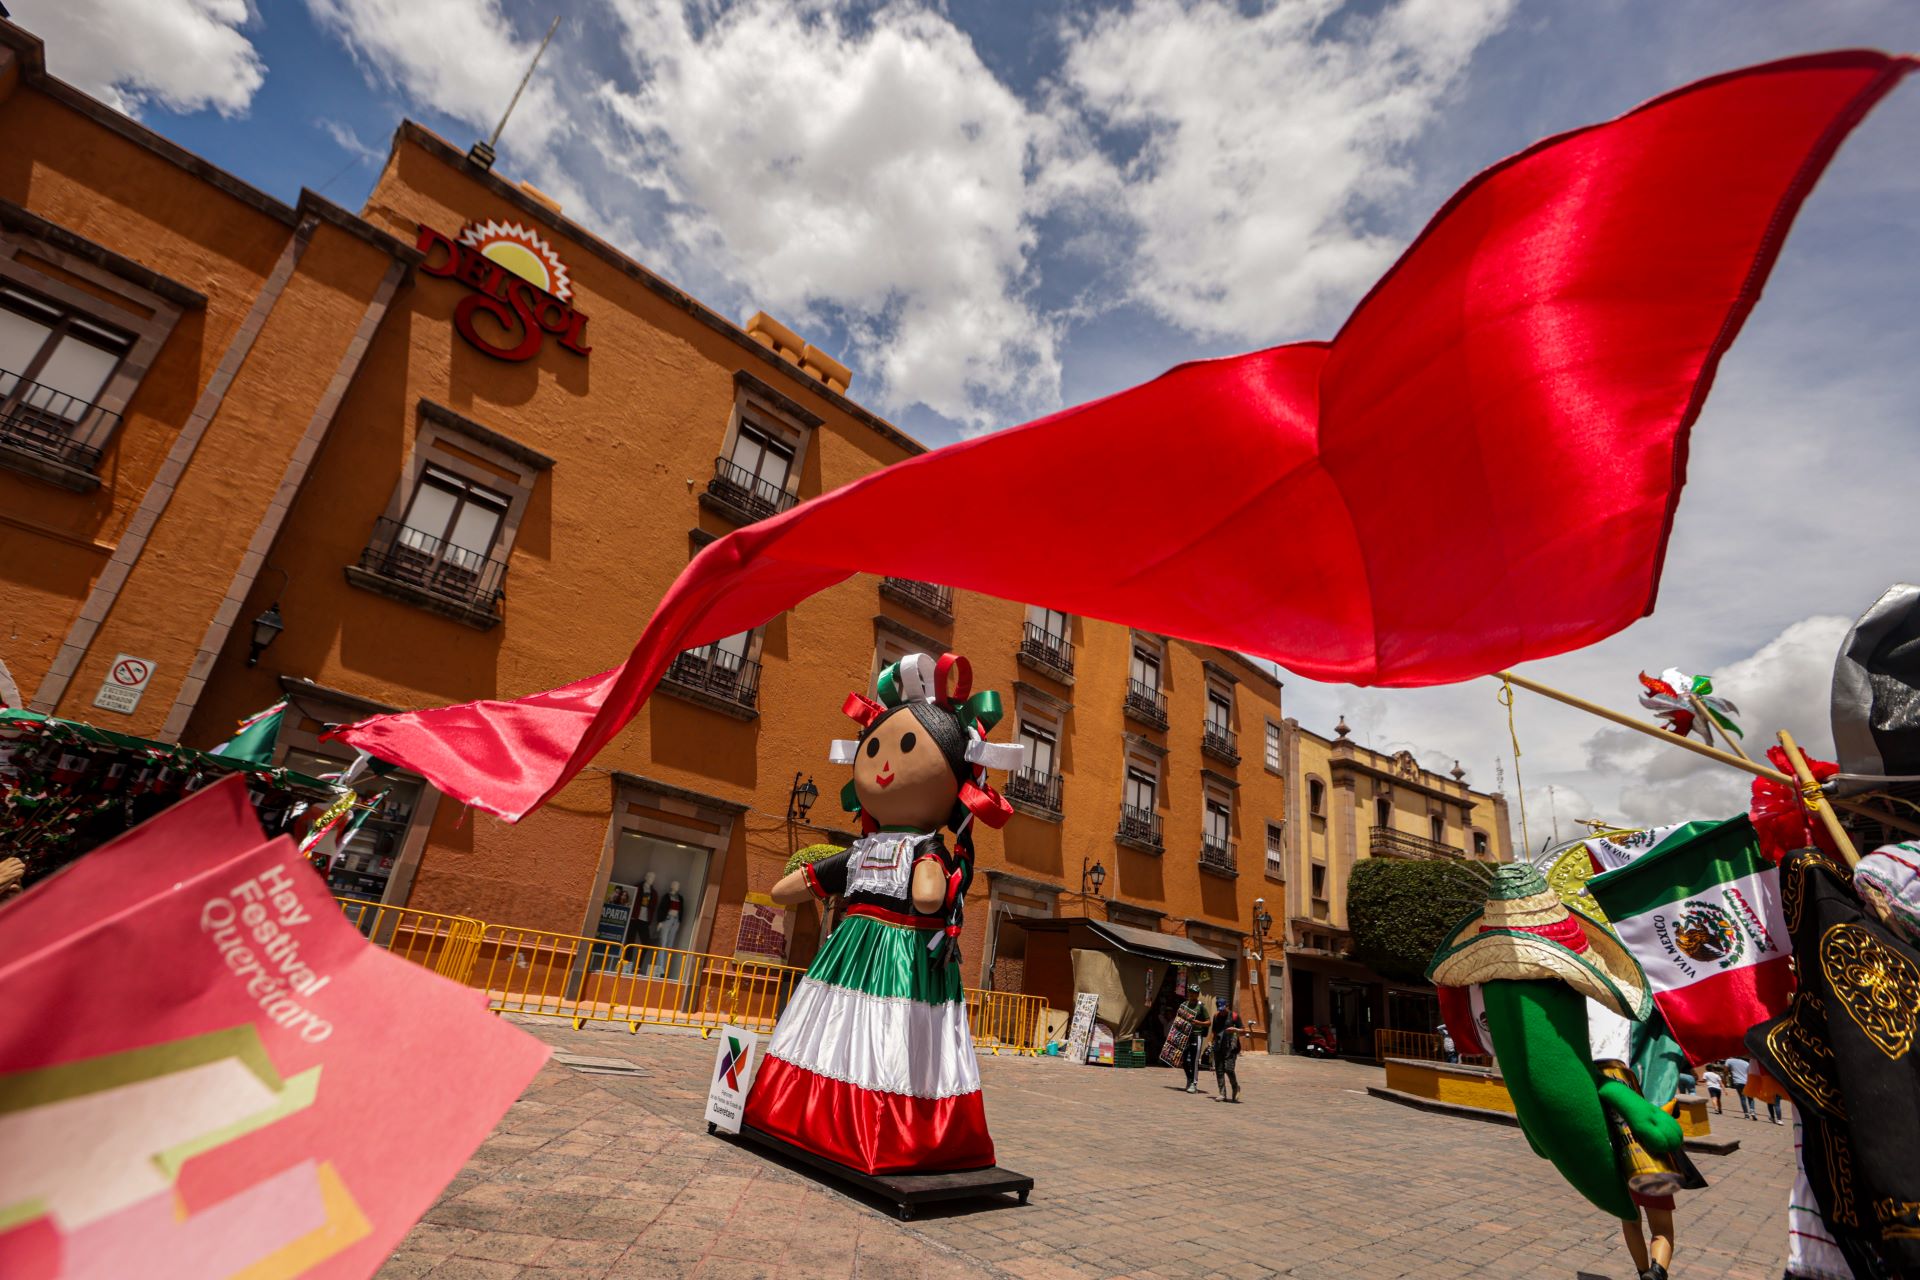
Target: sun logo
x,y
520,250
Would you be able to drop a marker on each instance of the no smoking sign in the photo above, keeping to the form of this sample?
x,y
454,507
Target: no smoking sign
x,y
126,680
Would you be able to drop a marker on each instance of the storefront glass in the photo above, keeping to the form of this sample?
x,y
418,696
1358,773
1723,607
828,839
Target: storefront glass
x,y
363,865
652,898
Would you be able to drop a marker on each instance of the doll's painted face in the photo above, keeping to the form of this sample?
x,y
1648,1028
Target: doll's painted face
x,y
901,776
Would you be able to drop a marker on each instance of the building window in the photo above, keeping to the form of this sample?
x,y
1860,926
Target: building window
x,y
1276,850
1319,882
443,541
1437,826
1046,643
54,364
1144,701
1040,748
1037,781
1273,746
724,671
1479,844
1217,739
1382,812
1316,798
754,476
1142,790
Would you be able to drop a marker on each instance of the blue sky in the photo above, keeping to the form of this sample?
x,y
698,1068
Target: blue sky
x,y
993,210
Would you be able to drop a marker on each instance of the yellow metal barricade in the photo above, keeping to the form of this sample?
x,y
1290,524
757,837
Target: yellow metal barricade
x,y
566,975
1003,1020
445,944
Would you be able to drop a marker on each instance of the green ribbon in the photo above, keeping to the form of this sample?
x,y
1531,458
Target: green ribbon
x,y
888,685
850,798
983,709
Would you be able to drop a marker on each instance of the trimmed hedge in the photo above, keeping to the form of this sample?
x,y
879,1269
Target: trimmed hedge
x,y
809,855
1400,911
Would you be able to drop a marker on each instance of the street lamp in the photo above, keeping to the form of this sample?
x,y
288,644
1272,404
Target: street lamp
x,y
801,798
1262,921
266,629
1096,874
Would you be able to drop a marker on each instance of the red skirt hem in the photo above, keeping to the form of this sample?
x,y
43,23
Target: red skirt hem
x,y
866,1130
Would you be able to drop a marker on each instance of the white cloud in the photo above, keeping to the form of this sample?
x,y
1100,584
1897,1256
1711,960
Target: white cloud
x,y
348,141
460,57
873,171
184,55
1267,137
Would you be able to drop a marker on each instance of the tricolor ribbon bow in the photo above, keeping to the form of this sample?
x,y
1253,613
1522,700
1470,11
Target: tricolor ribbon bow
x,y
1672,696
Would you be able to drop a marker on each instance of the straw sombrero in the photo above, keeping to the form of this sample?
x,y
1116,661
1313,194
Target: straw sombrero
x,y
1525,931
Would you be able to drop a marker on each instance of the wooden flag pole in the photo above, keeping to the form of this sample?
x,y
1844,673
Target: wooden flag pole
x,y
1810,795
1700,709
1712,753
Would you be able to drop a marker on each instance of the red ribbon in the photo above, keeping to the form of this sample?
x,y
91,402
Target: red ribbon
x,y
986,804
861,709
963,683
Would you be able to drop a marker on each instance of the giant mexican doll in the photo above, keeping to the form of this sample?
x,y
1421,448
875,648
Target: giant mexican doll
x,y
872,1064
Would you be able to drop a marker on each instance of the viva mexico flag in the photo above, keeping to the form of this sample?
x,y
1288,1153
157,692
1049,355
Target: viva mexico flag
x,y
1702,916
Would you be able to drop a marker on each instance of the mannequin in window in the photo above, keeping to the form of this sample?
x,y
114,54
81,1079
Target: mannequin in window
x,y
666,926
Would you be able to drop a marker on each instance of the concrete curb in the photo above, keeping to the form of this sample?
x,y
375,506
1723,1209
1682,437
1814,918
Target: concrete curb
x,y
1705,1146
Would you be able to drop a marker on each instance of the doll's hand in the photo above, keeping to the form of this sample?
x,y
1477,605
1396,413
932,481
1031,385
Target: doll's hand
x,y
1654,1127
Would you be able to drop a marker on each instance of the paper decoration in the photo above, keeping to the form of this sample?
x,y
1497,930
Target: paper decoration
x,y
205,1071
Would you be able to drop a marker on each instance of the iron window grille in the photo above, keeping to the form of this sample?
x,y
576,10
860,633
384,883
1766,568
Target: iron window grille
x,y
1141,826
1217,855
1146,704
433,565
1036,787
50,423
928,597
719,672
1047,648
1220,742
753,495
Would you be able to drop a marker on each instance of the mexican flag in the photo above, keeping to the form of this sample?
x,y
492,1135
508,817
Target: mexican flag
x,y
254,737
1702,916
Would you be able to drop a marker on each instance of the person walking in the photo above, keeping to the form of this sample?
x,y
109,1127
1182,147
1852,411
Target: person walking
x,y
1711,1078
1737,1077
1448,1051
1227,1028
1194,1014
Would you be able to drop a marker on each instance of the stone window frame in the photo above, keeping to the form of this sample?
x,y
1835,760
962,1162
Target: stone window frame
x,y
774,413
647,806
1149,757
1048,714
1316,785
1218,788
140,302
320,705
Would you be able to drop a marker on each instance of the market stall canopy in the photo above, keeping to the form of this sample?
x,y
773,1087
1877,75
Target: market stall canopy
x,y
1139,942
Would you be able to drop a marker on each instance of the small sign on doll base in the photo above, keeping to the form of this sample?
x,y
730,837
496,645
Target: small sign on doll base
x,y
734,1062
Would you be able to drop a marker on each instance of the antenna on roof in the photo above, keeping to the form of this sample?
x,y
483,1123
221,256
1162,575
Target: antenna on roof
x,y
482,152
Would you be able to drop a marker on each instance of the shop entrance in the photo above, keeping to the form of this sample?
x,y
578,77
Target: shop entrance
x,y
652,901
1350,1010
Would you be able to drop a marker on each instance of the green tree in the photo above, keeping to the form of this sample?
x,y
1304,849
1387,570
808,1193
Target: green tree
x,y
1400,911
809,855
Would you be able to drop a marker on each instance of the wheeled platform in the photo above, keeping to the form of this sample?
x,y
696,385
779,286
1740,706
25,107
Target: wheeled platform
x,y
905,1191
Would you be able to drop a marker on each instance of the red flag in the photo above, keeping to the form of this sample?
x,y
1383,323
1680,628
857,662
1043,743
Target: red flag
x,y
1480,469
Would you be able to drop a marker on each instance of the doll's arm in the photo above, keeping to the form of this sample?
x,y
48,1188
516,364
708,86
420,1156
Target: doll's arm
x,y
792,889
1660,1131
929,885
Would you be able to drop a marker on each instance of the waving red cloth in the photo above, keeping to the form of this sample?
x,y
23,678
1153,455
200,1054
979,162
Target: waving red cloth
x,y
1479,470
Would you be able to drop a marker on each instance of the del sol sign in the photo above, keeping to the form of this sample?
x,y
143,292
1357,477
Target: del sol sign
x,y
519,284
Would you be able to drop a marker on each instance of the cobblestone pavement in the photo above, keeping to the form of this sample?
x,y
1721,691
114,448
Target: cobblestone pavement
x,y
616,1177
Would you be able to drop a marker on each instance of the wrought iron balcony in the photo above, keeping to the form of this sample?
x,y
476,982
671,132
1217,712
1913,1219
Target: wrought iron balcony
x,y
1220,742
1036,788
51,424
434,571
718,673
1146,704
924,597
749,495
1041,647
1139,829
1385,842
1216,855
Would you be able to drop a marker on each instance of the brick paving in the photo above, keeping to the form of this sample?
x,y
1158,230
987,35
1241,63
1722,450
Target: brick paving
x,y
615,1177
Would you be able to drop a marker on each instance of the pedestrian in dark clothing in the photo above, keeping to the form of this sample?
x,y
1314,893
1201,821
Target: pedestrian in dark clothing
x,y
1227,1030
1194,1014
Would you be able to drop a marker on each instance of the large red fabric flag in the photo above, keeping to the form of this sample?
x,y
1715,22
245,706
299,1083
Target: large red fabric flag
x,y
1480,469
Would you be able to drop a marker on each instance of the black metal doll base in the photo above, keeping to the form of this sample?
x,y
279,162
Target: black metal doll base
x,y
905,1191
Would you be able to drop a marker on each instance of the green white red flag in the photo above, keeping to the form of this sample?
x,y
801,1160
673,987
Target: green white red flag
x,y
1702,916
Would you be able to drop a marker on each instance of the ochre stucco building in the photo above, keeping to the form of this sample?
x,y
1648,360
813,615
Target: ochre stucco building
x,y
1349,803
458,446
